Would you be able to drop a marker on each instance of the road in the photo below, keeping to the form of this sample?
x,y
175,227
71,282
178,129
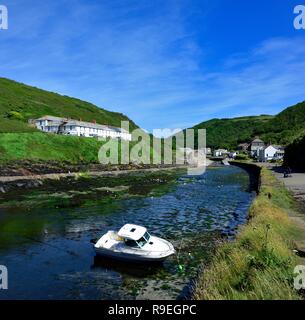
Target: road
x,y
295,183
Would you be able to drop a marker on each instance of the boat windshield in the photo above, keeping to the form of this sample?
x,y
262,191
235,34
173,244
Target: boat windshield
x,y
146,236
140,243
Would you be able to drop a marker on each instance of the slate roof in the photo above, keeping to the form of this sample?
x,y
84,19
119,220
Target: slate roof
x,y
257,140
72,122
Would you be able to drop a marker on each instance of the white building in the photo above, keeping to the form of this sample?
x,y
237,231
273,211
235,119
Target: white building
x,y
220,152
271,153
79,128
208,151
233,154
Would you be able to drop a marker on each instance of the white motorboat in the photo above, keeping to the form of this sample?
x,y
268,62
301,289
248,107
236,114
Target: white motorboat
x,y
133,243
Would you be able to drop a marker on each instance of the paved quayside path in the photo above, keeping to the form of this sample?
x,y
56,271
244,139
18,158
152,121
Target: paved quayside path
x,y
296,184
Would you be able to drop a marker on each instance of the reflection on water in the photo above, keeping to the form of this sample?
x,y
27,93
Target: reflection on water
x,y
132,269
49,255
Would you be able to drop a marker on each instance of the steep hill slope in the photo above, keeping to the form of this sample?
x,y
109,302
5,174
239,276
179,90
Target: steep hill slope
x,y
283,128
20,102
227,133
287,125
19,141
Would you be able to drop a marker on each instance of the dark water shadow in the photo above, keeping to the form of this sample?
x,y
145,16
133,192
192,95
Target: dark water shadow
x,y
135,269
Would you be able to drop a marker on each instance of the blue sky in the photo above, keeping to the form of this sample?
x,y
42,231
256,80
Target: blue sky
x,y
165,64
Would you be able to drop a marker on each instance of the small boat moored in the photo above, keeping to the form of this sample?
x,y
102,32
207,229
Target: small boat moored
x,y
133,243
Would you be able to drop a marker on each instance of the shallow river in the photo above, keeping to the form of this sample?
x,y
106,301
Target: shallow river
x,y
49,256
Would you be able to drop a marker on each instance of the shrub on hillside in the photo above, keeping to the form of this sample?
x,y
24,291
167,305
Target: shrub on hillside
x,y
15,115
242,156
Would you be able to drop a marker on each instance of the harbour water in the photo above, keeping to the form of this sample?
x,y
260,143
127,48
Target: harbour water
x,y
49,256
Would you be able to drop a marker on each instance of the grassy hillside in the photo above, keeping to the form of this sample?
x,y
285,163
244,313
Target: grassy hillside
x,y
19,102
43,146
283,128
228,133
39,146
19,141
287,125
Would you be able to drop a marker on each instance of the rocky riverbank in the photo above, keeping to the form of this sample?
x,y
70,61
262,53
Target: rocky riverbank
x,y
30,168
80,189
27,174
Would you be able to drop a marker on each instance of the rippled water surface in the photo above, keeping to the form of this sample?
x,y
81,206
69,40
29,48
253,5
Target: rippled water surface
x,y
48,254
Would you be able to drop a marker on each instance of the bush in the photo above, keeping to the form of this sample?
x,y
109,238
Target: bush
x,y
15,115
242,156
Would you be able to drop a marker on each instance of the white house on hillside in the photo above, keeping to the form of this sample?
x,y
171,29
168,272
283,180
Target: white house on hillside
x,y
271,153
79,128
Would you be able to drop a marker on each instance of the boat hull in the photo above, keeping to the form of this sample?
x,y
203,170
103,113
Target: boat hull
x,y
131,257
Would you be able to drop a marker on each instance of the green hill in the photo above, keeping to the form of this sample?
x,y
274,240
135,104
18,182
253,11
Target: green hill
x,y
39,146
283,128
19,141
20,102
228,133
287,126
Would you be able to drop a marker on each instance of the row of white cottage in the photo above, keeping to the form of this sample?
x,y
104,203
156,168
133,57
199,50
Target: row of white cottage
x,y
79,128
